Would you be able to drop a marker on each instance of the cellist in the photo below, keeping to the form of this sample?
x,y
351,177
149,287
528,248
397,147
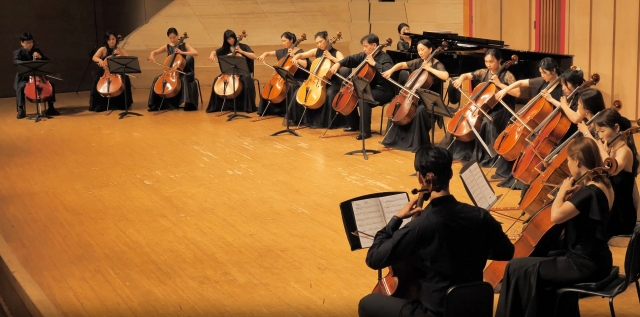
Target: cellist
x,y
489,131
321,117
381,89
412,136
549,71
528,286
404,44
29,52
188,94
97,102
246,101
288,41
447,243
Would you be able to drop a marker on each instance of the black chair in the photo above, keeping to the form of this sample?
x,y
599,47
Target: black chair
x,y
469,300
615,283
192,64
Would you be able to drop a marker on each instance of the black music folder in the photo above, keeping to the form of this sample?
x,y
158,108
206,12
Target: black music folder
x,y
364,216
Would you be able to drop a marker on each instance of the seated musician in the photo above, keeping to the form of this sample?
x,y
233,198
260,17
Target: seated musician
x,y
549,71
405,41
321,117
447,243
590,102
188,94
570,80
29,52
97,102
412,136
246,101
489,131
381,89
288,41
528,283
623,213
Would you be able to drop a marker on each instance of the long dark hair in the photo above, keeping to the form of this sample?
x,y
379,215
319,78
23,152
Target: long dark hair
x,y
575,77
322,34
549,64
172,31
609,118
107,35
495,53
585,151
289,36
592,100
426,43
225,45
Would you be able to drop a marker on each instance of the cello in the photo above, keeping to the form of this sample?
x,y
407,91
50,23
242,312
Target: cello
x,y
547,135
169,84
510,143
38,88
552,170
110,85
538,230
276,89
469,119
312,93
346,100
388,284
226,86
403,107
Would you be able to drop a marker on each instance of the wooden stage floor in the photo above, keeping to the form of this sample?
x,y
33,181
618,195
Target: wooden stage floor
x,y
184,214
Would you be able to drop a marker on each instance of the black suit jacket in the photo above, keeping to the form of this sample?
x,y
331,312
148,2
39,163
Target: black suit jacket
x,y
22,55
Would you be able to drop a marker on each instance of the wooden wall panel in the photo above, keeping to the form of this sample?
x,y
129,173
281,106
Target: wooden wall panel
x,y
517,27
625,61
579,33
602,45
486,19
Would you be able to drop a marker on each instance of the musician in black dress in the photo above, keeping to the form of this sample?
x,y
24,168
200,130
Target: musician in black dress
x,y
246,101
405,41
29,52
528,286
269,108
321,117
415,134
188,94
381,89
445,244
608,124
489,130
97,102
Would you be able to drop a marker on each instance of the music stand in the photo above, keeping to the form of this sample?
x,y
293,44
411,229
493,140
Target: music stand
x,y
234,65
124,65
363,91
35,68
288,80
434,104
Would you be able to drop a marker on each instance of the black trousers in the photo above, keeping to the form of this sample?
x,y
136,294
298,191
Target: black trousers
x,y
20,96
374,305
382,97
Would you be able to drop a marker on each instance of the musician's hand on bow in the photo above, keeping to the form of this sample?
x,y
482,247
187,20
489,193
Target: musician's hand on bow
x,y
409,209
500,94
334,68
152,58
213,57
261,57
387,74
457,83
370,60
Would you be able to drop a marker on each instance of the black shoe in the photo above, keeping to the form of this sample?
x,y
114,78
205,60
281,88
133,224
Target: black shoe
x,y
152,109
51,111
21,113
349,129
366,136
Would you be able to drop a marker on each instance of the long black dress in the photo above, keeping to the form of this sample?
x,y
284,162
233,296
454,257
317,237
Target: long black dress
x,y
528,287
321,117
623,213
99,103
489,131
246,101
412,136
188,94
279,108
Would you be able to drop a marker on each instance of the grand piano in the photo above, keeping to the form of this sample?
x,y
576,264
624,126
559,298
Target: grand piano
x,y
466,54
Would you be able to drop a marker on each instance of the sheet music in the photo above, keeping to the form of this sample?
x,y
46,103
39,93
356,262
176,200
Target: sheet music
x,y
391,205
369,218
481,192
